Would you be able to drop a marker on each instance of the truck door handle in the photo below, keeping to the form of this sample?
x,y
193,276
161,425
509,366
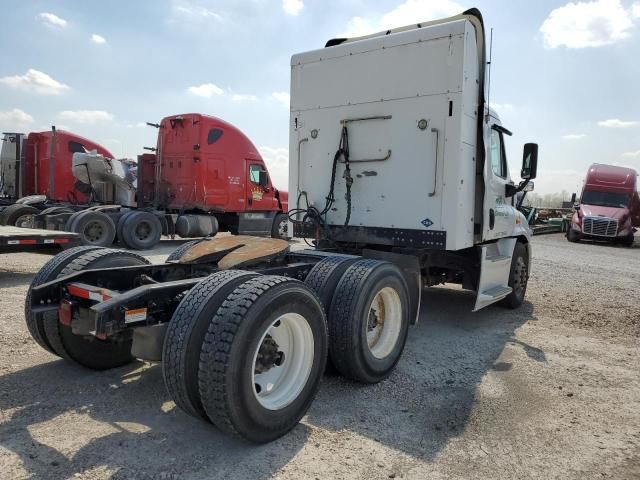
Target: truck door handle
x,y
435,176
492,218
250,201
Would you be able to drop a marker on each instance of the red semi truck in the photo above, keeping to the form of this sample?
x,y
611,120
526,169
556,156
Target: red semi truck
x,y
204,176
35,172
609,207
207,170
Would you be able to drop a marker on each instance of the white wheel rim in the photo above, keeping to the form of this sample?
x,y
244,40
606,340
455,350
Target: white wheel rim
x,y
384,322
277,384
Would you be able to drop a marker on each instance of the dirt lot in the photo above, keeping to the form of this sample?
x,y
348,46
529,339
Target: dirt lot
x,y
549,391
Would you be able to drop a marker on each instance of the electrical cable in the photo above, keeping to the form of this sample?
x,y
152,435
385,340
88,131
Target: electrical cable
x,y
318,218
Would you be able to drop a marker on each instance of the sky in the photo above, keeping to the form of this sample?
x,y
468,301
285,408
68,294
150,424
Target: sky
x,y
564,74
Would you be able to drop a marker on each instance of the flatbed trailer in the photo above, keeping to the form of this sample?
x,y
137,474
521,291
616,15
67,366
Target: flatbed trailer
x,y
15,239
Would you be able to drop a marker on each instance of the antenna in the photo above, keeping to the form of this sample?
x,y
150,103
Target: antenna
x,y
489,73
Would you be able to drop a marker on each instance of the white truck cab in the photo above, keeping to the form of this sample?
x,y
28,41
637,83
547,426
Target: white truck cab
x,y
400,178
393,149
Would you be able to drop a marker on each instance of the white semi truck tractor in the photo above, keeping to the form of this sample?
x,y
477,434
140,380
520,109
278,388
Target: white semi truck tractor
x,y
401,182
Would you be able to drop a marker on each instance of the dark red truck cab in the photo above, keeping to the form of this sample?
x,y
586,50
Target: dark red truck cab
x,y
609,207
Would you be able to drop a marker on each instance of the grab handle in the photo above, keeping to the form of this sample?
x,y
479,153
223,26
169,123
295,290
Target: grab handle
x,y
435,177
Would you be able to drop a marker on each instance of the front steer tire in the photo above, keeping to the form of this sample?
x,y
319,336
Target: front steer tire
x,y
233,359
92,352
369,321
518,277
572,235
185,334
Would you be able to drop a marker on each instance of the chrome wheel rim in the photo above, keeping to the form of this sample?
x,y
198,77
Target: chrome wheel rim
x,y
282,361
384,322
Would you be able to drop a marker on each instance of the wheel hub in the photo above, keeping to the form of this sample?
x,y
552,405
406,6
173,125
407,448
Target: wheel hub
x,y
283,228
143,230
283,361
268,356
94,231
384,322
519,276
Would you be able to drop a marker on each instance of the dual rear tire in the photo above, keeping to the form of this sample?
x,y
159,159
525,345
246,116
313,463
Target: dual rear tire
x,y
368,320
139,230
94,228
246,352
59,339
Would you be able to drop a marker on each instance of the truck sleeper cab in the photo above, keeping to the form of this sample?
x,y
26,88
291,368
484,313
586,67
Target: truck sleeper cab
x,y
397,191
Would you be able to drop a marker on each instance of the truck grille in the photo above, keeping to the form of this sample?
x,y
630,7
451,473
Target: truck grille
x,y
600,226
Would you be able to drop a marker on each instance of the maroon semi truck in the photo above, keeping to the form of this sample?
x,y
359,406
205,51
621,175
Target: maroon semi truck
x,y
609,207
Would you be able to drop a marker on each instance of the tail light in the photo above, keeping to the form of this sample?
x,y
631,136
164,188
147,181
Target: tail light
x,y
65,312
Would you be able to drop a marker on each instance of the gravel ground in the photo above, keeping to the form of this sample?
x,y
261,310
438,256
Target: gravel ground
x,y
548,391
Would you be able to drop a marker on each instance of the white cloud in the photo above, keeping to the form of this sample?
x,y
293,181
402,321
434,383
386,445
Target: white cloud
x,y
241,97
35,81
616,123
282,97
292,7
136,125
185,10
635,154
408,13
277,160
52,20
15,119
206,90
98,39
635,10
587,24
574,136
86,116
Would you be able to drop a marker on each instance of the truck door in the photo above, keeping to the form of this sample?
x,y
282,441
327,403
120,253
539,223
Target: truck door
x,y
259,197
498,214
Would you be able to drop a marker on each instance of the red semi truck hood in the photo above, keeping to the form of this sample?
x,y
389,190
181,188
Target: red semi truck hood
x,y
599,211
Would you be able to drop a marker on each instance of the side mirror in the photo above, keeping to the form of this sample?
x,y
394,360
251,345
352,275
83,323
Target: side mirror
x,y
529,161
264,178
573,197
529,188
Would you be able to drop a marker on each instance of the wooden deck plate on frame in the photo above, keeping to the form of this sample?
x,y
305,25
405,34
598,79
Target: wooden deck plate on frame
x,y
236,251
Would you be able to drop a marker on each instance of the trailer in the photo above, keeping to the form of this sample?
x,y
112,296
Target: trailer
x,y
15,239
203,177
401,182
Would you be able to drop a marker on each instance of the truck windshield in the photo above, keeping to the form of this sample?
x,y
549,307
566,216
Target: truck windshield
x,y
605,199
